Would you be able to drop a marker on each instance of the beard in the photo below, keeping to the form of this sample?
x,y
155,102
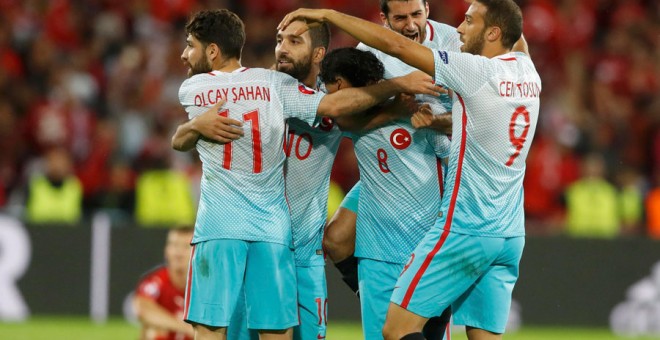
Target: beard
x,y
203,66
298,69
475,45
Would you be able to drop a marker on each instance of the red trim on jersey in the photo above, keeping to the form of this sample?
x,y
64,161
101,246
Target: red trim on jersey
x,y
438,164
211,73
450,213
186,306
508,59
245,69
430,30
304,89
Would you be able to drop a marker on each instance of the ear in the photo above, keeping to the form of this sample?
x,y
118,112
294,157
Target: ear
x,y
427,9
493,34
318,54
383,18
212,51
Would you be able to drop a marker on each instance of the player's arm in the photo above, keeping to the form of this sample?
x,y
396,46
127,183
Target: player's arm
x,y
402,106
208,125
339,240
371,34
358,99
521,46
152,315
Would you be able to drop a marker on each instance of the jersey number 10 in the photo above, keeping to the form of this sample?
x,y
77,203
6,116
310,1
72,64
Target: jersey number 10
x,y
253,118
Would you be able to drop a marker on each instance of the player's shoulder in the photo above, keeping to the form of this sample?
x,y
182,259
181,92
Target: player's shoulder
x,y
280,78
439,29
194,82
363,47
442,36
157,272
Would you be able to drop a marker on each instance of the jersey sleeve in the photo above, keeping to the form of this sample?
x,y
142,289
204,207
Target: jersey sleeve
x,y
185,98
441,144
350,201
298,100
462,72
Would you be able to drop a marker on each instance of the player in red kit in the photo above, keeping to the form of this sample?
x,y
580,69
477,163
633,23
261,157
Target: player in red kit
x,y
159,297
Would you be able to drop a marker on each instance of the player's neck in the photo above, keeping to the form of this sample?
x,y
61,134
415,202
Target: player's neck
x,y
493,50
227,65
312,77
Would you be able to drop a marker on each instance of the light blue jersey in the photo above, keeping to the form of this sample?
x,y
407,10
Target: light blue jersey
x,y
310,153
438,36
351,199
494,122
400,189
400,194
242,186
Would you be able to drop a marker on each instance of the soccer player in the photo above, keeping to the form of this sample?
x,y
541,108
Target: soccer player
x,y
399,195
410,19
243,232
158,300
310,151
470,258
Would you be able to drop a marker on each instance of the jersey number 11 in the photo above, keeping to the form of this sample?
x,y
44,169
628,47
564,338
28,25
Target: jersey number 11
x,y
253,118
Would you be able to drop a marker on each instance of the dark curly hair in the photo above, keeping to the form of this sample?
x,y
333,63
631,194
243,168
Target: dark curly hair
x,y
221,27
361,68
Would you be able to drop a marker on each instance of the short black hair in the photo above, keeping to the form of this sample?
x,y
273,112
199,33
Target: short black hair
x,y
320,35
506,15
221,27
386,9
359,67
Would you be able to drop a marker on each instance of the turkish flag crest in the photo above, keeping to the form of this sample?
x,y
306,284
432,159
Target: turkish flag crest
x,y
326,124
400,139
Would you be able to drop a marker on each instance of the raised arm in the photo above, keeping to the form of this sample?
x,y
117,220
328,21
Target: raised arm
x,y
358,99
374,35
521,46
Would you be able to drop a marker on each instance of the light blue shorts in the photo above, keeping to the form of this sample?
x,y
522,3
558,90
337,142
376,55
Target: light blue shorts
x,y
376,280
312,303
475,275
312,308
220,268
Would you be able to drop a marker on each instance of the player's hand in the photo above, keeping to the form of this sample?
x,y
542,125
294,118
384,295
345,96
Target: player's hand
x,y
419,82
424,118
404,105
217,128
311,17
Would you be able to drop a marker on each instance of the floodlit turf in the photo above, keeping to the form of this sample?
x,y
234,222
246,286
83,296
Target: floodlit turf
x,y
80,328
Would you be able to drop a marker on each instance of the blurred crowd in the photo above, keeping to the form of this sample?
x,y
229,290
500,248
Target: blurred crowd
x,y
88,102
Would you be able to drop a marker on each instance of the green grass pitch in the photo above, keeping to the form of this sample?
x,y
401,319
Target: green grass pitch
x,y
79,328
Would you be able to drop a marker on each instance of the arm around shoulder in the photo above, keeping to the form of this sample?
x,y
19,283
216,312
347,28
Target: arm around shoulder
x,y
185,138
